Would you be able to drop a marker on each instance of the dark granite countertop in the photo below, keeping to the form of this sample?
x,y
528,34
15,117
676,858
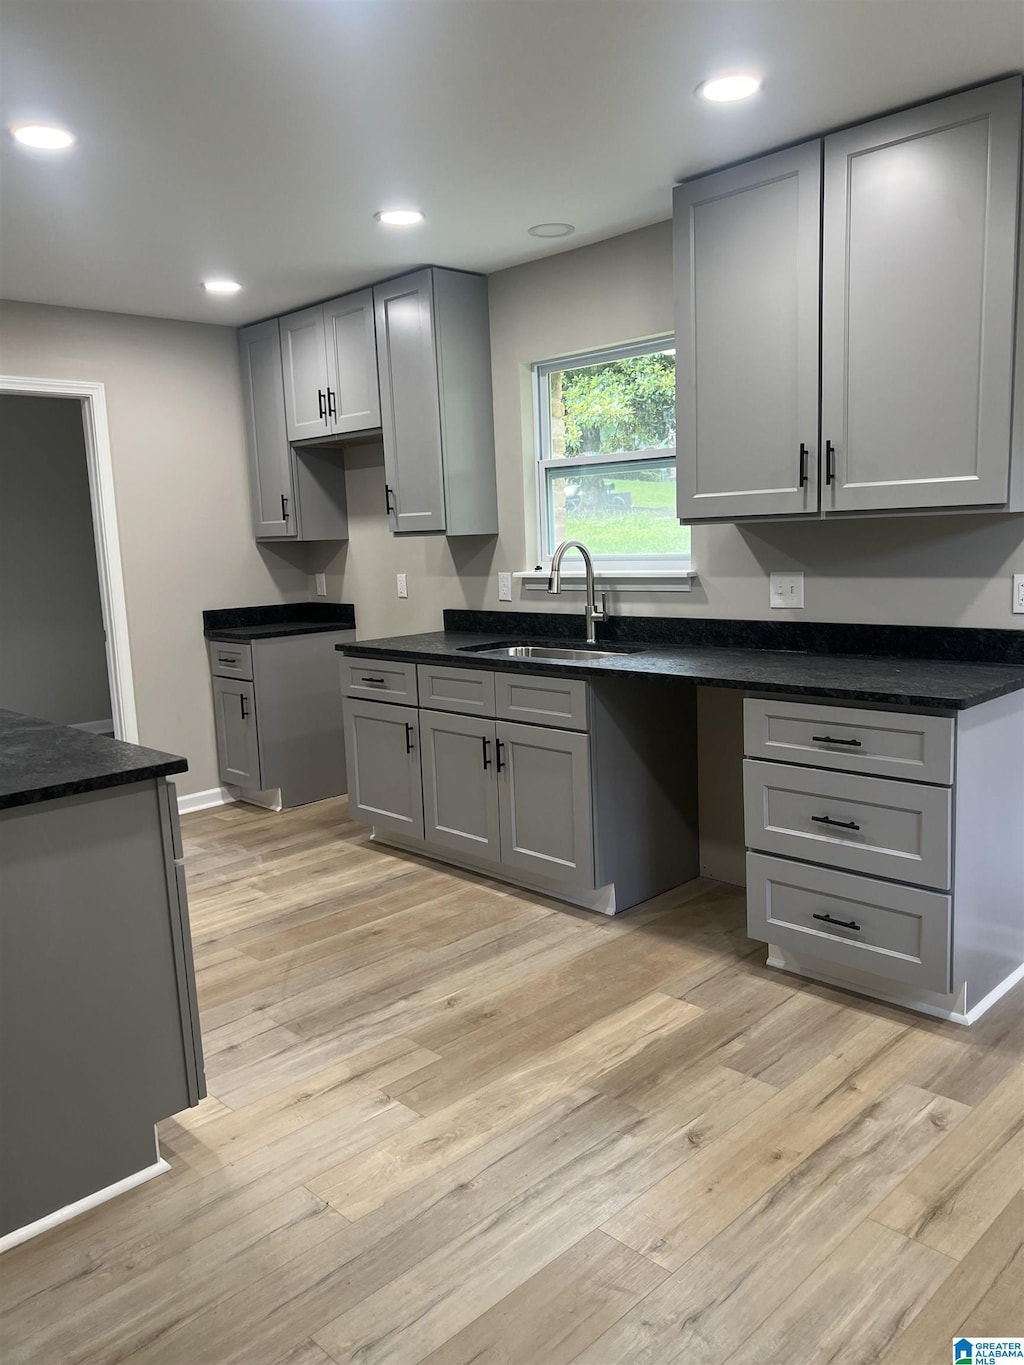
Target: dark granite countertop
x,y
40,761
238,625
942,683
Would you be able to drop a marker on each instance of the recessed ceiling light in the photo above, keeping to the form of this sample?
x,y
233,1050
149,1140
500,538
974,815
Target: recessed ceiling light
x,y
399,217
725,88
43,137
221,286
551,230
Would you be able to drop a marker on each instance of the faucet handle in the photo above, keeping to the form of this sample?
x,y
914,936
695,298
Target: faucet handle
x,y
600,612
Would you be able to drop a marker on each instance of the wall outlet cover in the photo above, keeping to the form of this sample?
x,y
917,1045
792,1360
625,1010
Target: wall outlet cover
x,y
321,585
403,585
786,590
504,587
1018,593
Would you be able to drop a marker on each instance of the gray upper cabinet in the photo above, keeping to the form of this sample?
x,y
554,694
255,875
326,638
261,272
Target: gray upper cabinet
x,y
304,361
330,368
460,798
433,354
353,395
544,800
919,265
746,244
270,467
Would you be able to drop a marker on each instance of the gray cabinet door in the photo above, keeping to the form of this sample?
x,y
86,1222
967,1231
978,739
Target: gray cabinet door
x,y
917,304
353,395
544,803
304,364
383,758
460,796
409,402
270,471
234,703
747,251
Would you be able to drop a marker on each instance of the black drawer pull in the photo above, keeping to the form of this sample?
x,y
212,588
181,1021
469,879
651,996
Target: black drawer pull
x,y
487,750
378,681
231,660
831,739
843,923
408,738
837,824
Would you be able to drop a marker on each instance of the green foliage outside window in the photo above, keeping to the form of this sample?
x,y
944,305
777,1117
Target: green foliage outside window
x,y
617,405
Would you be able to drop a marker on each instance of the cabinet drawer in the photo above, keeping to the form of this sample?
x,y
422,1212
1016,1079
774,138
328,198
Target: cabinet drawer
x,y
540,700
230,661
865,824
382,678
898,932
469,691
887,743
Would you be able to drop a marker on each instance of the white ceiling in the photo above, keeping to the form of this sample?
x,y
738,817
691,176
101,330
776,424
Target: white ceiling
x,y
256,138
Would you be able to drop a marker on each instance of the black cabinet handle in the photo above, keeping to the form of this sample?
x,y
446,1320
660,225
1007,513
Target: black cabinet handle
x,y
332,411
408,738
804,452
843,923
830,462
321,399
830,739
487,751
230,661
499,764
244,708
836,824
378,681
387,499
284,508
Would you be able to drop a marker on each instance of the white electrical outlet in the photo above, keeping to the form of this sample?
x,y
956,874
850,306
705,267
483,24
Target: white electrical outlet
x,y
403,585
504,587
1018,593
786,590
321,585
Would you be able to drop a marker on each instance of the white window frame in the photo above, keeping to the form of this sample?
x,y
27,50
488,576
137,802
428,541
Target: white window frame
x,y
637,567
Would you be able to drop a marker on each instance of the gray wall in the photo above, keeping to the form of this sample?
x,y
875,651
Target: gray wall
x,y
174,406
52,656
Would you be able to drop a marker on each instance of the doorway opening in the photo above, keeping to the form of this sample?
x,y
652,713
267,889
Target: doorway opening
x,y
64,651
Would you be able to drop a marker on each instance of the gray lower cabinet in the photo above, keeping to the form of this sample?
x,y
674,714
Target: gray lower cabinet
x,y
545,803
382,745
278,721
234,709
912,221
433,358
603,815
460,795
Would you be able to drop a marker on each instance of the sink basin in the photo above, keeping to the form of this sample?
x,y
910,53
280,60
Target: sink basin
x,y
552,653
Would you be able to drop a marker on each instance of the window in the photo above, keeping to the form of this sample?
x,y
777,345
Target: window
x,y
606,445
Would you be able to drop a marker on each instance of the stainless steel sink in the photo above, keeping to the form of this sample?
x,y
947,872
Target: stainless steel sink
x,y
580,654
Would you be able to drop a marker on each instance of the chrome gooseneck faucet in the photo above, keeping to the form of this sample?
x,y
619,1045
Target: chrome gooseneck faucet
x,y
595,603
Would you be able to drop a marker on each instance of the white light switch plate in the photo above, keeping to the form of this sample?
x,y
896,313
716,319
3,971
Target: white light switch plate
x,y
1018,593
786,590
504,587
403,585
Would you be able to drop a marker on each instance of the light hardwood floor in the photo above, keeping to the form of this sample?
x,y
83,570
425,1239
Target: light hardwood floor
x,y
452,1123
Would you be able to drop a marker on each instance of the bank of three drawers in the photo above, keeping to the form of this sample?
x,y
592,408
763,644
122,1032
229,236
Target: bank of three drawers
x,y
849,831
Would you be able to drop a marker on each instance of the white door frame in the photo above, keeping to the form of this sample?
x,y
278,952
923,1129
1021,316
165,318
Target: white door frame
x,y
92,398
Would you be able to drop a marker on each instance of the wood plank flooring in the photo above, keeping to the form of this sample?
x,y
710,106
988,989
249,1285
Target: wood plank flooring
x,y
455,1124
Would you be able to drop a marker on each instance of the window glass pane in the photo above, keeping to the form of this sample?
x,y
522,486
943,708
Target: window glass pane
x,y
612,406
621,511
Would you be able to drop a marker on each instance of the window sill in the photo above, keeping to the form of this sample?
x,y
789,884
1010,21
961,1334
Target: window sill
x,y
614,580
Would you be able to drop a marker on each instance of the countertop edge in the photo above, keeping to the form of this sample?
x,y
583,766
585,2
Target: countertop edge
x,y
53,791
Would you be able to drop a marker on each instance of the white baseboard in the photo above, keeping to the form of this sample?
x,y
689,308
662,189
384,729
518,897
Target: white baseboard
x,y
987,1001
213,796
69,1211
